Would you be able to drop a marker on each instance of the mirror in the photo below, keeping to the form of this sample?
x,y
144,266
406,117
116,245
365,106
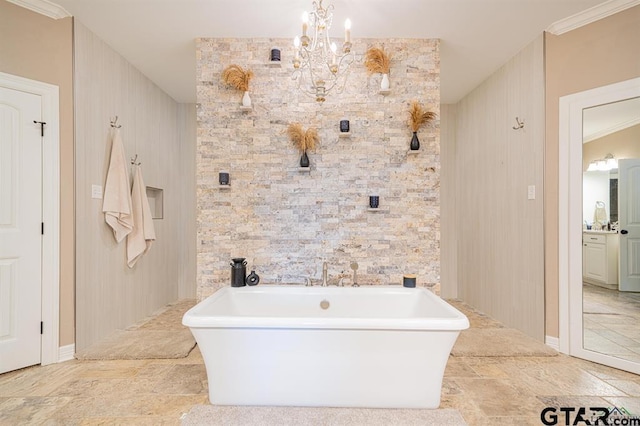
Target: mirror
x,y
611,229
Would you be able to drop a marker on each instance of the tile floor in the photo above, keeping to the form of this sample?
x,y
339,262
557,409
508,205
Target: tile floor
x,y
485,390
611,320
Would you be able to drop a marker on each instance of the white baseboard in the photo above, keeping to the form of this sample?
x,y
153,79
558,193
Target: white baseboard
x,y
554,342
66,353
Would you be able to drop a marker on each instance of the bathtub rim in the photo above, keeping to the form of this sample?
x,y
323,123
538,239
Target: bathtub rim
x,y
456,323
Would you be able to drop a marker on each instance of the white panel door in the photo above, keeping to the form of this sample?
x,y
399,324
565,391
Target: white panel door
x,y
20,229
629,220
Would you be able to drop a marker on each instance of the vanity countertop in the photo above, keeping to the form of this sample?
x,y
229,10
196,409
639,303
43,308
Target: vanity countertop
x,y
588,231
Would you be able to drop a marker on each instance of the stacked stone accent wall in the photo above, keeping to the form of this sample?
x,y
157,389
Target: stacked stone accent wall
x,y
287,222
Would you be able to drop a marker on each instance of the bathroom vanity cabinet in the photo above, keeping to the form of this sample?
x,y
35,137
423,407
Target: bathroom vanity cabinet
x,y
600,258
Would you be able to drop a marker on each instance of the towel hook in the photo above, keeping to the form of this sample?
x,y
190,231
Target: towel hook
x,y
114,123
520,124
134,161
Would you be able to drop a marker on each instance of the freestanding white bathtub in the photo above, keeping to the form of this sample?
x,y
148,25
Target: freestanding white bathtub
x,y
369,346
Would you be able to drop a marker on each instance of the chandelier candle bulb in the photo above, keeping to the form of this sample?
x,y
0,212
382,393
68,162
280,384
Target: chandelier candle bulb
x,y
305,23
347,31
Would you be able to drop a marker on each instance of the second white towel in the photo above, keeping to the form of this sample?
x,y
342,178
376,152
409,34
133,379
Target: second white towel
x,y
143,234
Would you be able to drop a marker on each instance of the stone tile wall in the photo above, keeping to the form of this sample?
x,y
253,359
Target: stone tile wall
x,y
287,222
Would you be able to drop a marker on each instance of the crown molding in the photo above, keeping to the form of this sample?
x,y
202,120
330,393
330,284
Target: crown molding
x,y
612,129
43,7
590,15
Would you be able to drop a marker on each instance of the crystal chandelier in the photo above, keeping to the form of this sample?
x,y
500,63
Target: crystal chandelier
x,y
318,65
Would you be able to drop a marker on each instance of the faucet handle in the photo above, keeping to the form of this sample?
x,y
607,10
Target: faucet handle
x,y
308,282
354,267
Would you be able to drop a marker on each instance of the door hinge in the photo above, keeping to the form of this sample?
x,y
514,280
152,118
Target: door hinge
x,y
42,228
41,327
41,123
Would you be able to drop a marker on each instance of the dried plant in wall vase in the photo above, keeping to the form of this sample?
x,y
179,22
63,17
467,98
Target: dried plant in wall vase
x,y
417,118
377,60
303,140
239,78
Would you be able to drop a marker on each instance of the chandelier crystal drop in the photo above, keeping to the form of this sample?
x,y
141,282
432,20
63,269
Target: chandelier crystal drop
x,y
318,66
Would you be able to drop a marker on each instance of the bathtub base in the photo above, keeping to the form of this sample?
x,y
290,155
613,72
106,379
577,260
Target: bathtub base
x,y
324,367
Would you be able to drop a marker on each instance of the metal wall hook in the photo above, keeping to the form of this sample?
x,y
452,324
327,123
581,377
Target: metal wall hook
x,y
41,124
114,123
520,124
134,161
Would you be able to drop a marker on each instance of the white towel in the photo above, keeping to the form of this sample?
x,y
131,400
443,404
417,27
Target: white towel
x,y
143,234
116,204
599,216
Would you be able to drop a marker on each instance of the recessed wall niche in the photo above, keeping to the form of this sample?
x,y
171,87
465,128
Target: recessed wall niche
x,y
287,223
156,202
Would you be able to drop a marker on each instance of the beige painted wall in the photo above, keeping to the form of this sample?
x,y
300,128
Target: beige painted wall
x,y
622,144
604,52
448,190
499,230
110,295
39,48
187,127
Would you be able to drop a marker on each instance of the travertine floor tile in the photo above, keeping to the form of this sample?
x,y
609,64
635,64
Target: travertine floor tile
x,y
37,380
500,396
106,388
489,370
504,420
485,390
143,405
630,387
112,369
450,387
565,379
183,380
29,410
131,421
194,357
572,401
155,369
457,367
